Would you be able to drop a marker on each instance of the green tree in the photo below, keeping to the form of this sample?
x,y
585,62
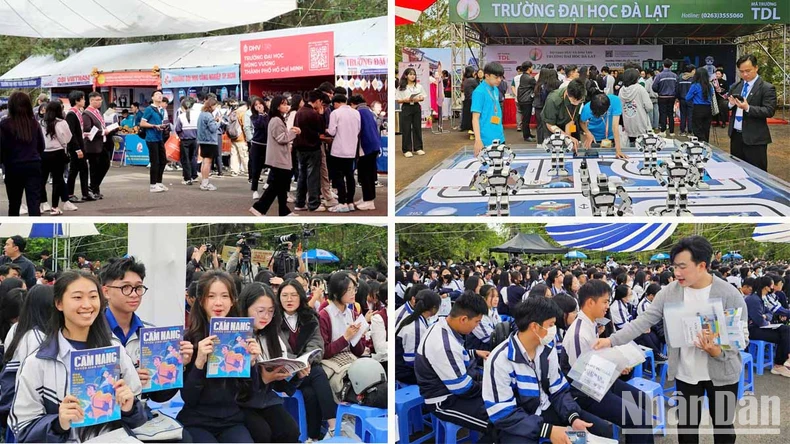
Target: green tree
x,y
112,241
432,30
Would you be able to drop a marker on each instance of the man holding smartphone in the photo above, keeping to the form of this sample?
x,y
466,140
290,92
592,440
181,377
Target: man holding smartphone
x,y
152,121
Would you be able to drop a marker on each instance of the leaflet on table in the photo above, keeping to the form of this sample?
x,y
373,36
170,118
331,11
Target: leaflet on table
x,y
112,127
685,320
735,328
117,436
160,354
93,375
363,327
595,371
290,365
231,356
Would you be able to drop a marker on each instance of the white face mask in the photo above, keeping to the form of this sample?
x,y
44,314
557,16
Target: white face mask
x,y
552,333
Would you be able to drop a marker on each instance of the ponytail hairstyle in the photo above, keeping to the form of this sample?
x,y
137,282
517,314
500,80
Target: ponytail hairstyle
x,y
621,292
651,289
251,293
426,300
10,309
413,291
99,334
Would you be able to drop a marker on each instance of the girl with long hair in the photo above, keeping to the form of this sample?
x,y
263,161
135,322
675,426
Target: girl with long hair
x,y
571,285
410,94
639,285
21,147
264,414
43,410
211,411
207,127
700,94
480,339
301,334
548,81
410,331
54,159
278,159
468,85
260,133
338,321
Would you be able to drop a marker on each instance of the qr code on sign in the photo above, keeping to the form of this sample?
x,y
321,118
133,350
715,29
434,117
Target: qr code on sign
x,y
319,59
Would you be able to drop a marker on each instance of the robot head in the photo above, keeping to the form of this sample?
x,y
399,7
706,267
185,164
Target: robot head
x,y
678,156
602,180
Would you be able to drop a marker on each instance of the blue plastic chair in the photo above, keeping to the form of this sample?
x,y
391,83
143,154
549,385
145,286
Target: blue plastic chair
x,y
295,406
447,432
360,412
408,408
746,381
339,439
762,354
656,394
649,356
374,430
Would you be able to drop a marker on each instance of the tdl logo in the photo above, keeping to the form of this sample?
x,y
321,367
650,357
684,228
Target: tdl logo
x,y
535,54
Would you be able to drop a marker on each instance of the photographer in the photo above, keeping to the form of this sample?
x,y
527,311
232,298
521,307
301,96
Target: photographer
x,y
193,260
238,256
283,261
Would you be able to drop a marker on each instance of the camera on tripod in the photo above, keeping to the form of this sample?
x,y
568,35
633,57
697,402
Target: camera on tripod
x,y
285,239
246,241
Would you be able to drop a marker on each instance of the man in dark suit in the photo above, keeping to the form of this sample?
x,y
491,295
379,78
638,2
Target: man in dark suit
x,y
749,133
94,146
525,95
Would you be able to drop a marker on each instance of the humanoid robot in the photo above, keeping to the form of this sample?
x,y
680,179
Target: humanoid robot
x,y
499,179
649,144
697,155
603,194
679,174
558,144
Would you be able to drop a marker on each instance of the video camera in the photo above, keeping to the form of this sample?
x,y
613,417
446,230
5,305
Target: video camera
x,y
246,241
283,240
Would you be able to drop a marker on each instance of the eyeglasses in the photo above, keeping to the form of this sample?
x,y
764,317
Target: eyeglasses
x,y
128,289
264,313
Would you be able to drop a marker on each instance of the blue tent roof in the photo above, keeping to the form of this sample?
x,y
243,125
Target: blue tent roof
x,y
614,237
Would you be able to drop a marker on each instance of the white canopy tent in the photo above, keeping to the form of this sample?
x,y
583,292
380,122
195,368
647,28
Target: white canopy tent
x,y
359,38
131,18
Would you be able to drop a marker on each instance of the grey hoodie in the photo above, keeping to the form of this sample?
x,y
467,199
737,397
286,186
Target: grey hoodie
x,y
636,105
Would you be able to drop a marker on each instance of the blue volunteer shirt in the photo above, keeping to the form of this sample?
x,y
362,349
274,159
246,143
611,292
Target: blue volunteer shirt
x,y
485,101
154,117
597,125
136,324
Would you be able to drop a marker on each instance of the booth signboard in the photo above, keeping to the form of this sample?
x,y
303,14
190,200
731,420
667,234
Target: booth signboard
x,y
20,83
261,257
203,76
304,55
362,65
612,56
127,78
656,12
136,150
65,81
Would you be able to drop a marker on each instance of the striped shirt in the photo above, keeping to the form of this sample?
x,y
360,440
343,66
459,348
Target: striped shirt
x,y
402,311
410,336
580,337
621,315
487,324
441,364
643,305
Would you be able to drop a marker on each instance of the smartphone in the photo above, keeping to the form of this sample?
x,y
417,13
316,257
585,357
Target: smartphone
x,y
737,97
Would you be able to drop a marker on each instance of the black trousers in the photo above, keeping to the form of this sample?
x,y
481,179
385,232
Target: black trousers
x,y
343,170
469,413
188,151
779,336
542,131
23,178
411,127
319,403
278,189
308,185
466,115
756,155
701,116
666,113
78,168
54,163
158,158
526,116
722,401
366,173
97,168
257,159
272,424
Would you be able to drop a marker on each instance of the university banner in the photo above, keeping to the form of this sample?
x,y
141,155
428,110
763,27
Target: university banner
x,y
20,83
204,76
362,65
303,55
67,81
657,12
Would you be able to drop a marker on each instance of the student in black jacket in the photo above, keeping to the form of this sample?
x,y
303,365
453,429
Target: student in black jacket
x,y
21,149
78,163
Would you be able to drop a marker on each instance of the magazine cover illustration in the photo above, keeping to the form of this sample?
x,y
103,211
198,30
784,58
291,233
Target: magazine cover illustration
x,y
93,376
160,354
231,357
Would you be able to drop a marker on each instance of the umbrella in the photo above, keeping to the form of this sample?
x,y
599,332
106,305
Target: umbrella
x,y
730,256
575,254
660,257
408,11
52,231
319,256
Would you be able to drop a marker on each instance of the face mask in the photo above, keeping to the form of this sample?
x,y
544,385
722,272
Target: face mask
x,y
552,333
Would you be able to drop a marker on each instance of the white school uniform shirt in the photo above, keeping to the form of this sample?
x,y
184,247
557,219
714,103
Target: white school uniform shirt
x,y
410,336
580,337
340,320
637,291
487,324
620,314
644,304
693,366
734,280
410,91
400,289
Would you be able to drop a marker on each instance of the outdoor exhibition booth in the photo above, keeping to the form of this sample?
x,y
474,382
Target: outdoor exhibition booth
x,y
587,32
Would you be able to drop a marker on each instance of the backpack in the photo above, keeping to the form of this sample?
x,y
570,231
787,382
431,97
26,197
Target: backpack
x,y
501,332
525,94
234,127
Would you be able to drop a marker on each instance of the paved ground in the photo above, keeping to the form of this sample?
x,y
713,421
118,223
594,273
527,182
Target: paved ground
x,y
126,194
439,146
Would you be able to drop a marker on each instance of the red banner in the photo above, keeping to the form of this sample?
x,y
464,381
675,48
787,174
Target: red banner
x,y
127,78
293,56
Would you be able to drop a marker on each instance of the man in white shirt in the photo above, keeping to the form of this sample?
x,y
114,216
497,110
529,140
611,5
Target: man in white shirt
x,y
606,73
514,90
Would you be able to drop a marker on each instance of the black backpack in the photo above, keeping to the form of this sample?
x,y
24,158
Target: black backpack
x,y
526,94
501,332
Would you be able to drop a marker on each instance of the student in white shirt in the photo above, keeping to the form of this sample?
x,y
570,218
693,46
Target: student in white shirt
x,y
410,94
410,332
480,339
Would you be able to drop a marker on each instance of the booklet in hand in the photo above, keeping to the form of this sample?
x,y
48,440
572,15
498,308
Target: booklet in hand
x,y
290,365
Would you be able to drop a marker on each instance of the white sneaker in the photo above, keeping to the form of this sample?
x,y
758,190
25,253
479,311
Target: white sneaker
x,y
208,187
331,203
339,208
22,209
68,206
255,195
156,189
366,206
321,208
291,198
784,371
168,168
234,174
162,186
44,207
420,152
408,154
293,186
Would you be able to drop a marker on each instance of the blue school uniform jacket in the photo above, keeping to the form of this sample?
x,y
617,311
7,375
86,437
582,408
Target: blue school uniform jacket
x,y
443,365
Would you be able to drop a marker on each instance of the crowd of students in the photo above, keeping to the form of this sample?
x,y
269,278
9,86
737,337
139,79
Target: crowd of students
x,y
284,138
507,377
293,314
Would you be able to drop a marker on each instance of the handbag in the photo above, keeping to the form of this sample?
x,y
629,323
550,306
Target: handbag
x,y
336,369
173,148
714,104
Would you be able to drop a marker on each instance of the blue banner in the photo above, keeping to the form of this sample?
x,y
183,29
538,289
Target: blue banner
x,y
381,161
206,76
24,83
136,150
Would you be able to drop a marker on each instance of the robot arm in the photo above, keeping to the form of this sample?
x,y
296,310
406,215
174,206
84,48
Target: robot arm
x,y
658,173
480,183
519,182
626,201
